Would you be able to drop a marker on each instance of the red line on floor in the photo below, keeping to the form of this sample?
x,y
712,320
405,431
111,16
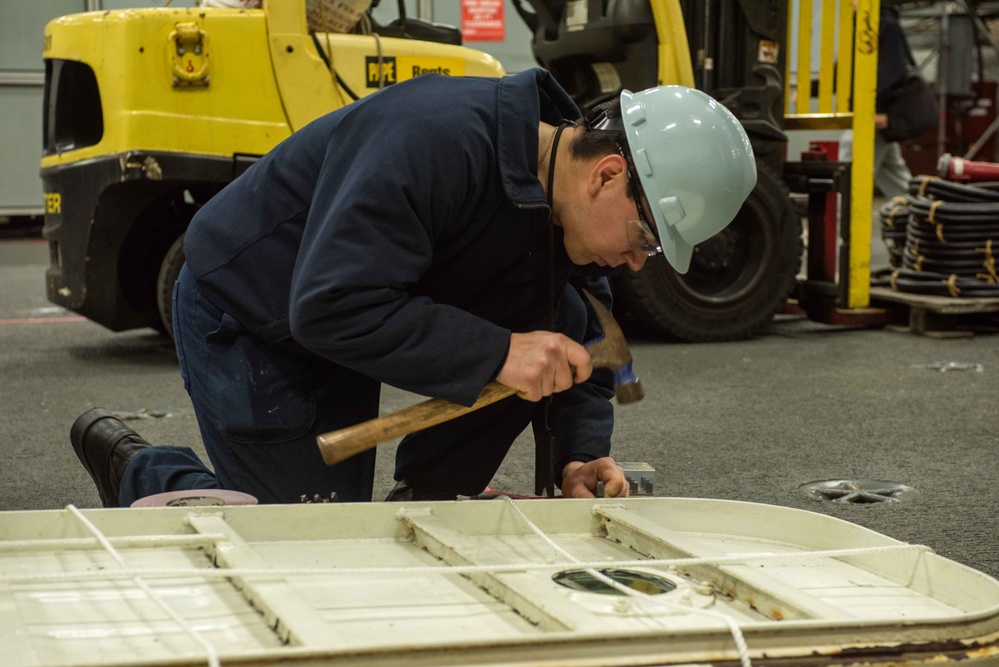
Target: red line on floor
x,y
43,320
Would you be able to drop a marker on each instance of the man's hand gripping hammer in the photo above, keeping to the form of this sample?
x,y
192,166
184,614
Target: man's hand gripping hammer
x,y
608,351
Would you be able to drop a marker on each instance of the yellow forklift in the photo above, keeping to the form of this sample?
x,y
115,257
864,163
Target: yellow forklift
x,y
150,112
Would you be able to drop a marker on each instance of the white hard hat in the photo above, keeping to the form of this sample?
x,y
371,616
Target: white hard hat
x,y
694,161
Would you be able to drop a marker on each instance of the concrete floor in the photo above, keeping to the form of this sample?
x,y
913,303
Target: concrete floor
x,y
746,421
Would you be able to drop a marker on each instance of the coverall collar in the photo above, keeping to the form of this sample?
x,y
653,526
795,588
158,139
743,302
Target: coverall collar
x,y
524,100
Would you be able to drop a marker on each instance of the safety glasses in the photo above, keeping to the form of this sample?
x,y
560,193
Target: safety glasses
x,y
640,233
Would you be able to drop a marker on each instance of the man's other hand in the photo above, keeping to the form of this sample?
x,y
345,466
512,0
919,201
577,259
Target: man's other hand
x,y
579,480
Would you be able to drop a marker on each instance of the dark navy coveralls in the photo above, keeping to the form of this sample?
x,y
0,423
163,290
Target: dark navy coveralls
x,y
400,239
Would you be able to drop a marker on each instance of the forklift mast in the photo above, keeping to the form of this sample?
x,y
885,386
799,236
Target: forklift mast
x,y
738,55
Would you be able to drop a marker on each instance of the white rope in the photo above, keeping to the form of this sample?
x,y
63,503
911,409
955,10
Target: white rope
x,y
733,627
212,654
457,569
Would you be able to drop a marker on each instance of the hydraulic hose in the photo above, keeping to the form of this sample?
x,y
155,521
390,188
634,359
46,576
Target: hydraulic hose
x,y
941,238
894,222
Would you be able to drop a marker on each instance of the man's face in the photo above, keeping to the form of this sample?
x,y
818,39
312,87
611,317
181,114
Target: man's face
x,y
611,230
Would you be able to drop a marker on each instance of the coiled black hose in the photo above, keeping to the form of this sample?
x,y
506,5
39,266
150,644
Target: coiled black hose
x,y
894,223
941,238
933,187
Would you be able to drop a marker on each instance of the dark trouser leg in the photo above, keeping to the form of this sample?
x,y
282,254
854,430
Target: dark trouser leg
x,y
260,408
463,455
159,469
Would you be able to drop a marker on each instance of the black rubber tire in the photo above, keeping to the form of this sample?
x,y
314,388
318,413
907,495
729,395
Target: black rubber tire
x,y
737,280
170,268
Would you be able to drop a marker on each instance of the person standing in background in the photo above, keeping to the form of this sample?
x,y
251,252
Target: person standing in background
x,y
891,174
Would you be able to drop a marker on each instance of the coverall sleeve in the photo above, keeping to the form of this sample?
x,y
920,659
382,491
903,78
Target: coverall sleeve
x,y
374,222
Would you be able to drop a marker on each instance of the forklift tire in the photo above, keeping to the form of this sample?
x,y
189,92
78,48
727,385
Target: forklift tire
x,y
737,281
169,272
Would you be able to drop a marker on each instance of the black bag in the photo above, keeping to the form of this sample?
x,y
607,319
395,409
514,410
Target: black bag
x,y
911,108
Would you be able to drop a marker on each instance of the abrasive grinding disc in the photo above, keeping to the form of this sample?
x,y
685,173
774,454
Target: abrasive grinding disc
x,y
196,498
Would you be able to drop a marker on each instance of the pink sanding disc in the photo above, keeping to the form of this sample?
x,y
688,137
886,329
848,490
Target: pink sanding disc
x,y
196,498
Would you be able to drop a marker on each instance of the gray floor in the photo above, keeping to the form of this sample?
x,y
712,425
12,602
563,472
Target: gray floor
x,y
746,421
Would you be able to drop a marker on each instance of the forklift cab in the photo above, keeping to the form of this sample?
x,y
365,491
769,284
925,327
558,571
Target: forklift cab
x,y
407,27
594,49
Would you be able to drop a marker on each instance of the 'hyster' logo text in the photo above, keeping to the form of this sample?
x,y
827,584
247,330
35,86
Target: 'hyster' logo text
x,y
393,69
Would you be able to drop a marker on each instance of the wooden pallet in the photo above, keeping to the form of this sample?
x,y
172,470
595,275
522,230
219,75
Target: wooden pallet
x,y
936,316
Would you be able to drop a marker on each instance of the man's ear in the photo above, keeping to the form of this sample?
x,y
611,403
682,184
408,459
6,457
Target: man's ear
x,y
606,170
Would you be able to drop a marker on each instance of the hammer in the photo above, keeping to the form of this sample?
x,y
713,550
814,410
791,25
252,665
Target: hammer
x,y
608,351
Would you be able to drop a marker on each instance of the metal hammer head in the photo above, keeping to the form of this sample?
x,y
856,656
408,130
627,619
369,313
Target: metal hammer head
x,y
611,351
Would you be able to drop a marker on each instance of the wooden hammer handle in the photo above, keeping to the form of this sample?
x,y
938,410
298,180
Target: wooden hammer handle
x,y
337,446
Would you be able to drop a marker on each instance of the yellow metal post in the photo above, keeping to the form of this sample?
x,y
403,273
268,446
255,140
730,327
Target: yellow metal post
x,y
827,57
865,83
674,53
789,39
804,56
844,70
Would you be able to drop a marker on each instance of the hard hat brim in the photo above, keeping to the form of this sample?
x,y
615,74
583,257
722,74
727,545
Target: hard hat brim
x,y
677,251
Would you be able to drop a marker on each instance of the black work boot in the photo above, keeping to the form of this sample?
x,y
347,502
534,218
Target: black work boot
x,y
105,446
